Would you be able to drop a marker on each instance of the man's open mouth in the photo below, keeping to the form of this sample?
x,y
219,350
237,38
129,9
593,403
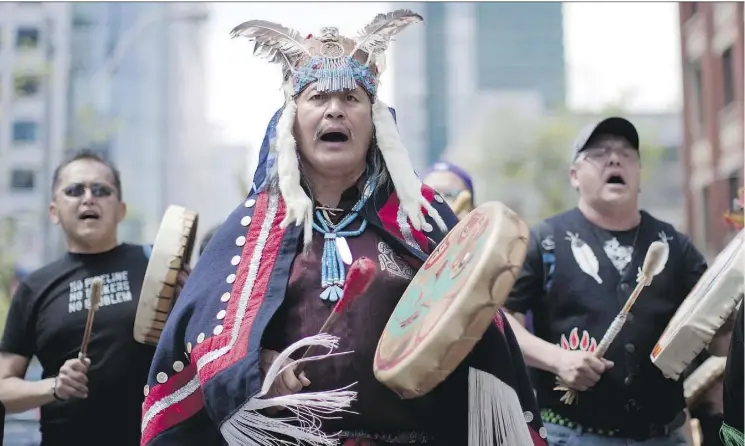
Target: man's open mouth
x,y
615,179
334,137
89,215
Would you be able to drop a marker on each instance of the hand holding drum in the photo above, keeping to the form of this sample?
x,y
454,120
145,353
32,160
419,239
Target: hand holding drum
x,y
654,263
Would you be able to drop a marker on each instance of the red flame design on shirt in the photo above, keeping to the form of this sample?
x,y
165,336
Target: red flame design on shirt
x,y
585,343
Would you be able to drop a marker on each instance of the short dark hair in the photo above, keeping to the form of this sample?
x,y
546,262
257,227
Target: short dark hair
x,y
92,156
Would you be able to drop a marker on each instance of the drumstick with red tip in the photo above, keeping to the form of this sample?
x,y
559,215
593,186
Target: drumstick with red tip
x,y
654,263
95,301
359,278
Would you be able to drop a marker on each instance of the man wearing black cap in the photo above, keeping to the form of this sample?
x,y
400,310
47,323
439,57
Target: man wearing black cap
x,y
580,269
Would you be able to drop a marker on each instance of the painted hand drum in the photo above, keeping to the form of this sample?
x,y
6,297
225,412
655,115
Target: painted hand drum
x,y
452,300
172,251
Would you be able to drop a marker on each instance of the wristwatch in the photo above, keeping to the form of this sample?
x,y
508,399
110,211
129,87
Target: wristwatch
x,y
54,390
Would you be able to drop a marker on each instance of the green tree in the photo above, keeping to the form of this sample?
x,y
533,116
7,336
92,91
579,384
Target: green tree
x,y
90,127
8,231
524,161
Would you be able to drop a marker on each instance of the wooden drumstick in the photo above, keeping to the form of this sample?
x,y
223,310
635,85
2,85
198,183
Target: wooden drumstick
x,y
464,199
95,300
654,263
359,278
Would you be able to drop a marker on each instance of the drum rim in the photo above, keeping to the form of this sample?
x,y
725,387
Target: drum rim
x,y
725,270
156,272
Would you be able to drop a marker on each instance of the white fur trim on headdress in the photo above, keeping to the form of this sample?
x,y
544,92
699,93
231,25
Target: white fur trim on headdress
x,y
407,184
299,205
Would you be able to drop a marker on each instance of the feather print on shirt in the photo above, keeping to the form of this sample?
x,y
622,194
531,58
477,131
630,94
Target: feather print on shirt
x,y
665,239
584,256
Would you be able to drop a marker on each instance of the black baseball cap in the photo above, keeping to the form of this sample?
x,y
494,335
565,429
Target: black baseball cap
x,y
615,126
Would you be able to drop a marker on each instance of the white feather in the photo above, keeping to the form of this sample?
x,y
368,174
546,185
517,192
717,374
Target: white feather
x,y
584,256
299,205
407,184
664,238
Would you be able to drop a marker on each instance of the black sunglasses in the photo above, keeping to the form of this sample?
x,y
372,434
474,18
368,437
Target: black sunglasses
x,y
97,190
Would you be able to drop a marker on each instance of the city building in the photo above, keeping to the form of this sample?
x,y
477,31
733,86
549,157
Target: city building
x,y
137,96
445,70
712,150
34,62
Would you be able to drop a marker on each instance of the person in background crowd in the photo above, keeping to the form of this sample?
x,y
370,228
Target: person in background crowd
x,y
98,400
734,373
733,424
580,269
454,184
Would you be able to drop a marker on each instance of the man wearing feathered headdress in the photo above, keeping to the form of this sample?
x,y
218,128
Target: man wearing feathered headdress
x,y
333,183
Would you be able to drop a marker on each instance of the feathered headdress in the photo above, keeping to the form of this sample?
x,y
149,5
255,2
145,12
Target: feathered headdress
x,y
336,63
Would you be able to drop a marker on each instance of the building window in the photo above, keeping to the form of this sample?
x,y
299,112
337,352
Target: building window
x,y
728,82
24,131
27,85
27,38
22,179
698,91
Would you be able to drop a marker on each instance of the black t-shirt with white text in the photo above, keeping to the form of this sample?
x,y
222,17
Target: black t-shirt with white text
x,y
47,319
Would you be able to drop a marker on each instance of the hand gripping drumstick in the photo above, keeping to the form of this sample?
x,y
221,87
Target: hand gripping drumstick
x,y
359,278
96,287
654,263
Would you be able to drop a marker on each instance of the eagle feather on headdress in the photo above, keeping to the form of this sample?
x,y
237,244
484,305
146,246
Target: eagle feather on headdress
x,y
374,38
273,41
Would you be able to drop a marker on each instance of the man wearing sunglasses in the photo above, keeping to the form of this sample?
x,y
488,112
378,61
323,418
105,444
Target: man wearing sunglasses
x,y
580,269
97,400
